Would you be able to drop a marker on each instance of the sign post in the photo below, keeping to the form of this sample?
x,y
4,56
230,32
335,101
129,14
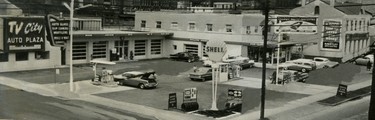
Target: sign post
x,y
215,50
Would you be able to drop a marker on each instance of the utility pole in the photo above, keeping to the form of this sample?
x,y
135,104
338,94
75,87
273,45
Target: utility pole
x,y
264,57
371,111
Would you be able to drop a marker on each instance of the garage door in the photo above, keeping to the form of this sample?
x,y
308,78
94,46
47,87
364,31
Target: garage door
x,y
191,48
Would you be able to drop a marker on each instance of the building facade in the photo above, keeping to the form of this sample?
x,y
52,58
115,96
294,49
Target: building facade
x,y
191,31
342,34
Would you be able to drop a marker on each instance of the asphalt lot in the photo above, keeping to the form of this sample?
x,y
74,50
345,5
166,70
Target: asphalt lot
x,y
173,77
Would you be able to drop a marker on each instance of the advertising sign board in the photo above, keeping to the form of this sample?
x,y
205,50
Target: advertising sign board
x,y
342,90
296,24
24,34
172,101
57,31
331,34
234,94
190,95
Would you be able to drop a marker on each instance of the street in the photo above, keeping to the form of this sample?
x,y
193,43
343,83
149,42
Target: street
x,y
17,104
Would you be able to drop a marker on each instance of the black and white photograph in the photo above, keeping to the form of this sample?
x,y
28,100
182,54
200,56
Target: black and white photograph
x,y
187,60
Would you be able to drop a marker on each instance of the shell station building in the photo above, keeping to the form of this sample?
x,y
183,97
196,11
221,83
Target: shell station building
x,y
24,45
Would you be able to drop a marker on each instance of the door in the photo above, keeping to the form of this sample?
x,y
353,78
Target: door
x,y
122,47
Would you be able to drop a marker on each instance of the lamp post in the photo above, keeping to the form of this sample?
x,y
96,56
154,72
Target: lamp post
x,y
71,10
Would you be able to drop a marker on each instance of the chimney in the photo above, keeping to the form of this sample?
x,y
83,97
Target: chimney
x,y
303,2
332,3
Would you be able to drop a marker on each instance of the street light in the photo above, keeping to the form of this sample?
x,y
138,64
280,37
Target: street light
x,y
71,10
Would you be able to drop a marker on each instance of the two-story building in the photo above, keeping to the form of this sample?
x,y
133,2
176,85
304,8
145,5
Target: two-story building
x,y
191,31
343,29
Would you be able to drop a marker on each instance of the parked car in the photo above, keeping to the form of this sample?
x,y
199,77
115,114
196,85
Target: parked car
x,y
289,75
296,67
324,63
185,56
202,74
141,79
308,62
243,62
363,60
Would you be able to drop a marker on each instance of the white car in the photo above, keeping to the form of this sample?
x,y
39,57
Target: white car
x,y
308,62
363,60
324,63
296,67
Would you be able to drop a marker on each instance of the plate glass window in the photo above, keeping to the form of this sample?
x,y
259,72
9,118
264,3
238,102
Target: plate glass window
x,y
22,56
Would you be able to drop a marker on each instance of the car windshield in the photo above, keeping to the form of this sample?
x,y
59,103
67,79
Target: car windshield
x,y
319,60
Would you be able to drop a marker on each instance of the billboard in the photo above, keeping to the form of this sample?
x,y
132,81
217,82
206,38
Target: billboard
x,y
24,34
57,31
331,34
296,24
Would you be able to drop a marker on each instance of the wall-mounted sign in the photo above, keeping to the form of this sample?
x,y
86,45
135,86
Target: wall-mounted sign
x,y
172,101
190,95
357,36
57,30
331,34
24,34
216,49
296,24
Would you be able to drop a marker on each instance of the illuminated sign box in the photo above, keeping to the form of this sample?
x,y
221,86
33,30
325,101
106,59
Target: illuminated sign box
x,y
24,34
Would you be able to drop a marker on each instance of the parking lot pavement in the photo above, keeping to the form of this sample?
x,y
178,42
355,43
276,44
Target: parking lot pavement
x,y
86,87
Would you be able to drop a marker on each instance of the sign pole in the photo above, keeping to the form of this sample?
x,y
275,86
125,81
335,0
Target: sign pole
x,y
278,58
71,46
214,86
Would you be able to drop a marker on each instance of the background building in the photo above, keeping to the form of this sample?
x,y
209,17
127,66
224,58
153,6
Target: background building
x,y
343,31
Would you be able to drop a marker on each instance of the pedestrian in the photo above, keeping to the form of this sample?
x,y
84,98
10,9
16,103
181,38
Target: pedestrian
x,y
195,69
273,78
369,66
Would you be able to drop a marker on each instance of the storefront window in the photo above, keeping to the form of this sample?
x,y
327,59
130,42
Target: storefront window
x,y
41,55
79,50
140,47
22,56
155,47
99,49
4,57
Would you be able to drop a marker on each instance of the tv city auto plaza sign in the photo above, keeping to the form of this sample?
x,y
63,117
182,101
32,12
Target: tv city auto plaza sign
x,y
24,34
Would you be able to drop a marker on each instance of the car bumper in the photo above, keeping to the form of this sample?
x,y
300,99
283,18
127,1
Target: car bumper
x,y
151,85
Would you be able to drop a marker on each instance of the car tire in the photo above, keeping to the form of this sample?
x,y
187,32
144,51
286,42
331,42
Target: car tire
x,y
203,79
142,86
355,63
304,70
189,60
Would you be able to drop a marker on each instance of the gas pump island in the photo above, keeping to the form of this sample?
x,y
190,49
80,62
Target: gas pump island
x,y
216,50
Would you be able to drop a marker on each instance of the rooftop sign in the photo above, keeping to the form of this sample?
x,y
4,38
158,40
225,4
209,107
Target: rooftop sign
x,y
296,24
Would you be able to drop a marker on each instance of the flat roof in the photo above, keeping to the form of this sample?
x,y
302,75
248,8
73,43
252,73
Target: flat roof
x,y
118,33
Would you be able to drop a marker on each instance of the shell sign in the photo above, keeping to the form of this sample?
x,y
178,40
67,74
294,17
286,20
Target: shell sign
x,y
215,50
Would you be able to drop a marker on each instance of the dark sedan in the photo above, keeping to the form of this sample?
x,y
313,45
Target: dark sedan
x,y
185,56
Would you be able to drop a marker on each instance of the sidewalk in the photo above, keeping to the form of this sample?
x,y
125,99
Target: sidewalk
x,y
84,91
